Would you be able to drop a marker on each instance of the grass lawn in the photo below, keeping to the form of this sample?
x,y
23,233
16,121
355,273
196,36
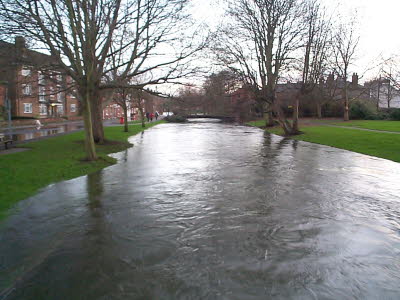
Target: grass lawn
x,y
376,125
384,145
54,159
258,123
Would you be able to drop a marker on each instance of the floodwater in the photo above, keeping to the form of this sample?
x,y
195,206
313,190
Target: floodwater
x,y
211,211
29,133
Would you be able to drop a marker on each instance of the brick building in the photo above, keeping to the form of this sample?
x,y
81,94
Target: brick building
x,y
112,111
150,104
3,93
242,104
36,86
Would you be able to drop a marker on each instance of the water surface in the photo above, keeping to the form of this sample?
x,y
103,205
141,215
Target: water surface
x,y
211,211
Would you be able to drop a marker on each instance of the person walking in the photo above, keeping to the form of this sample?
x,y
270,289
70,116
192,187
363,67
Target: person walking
x,y
148,116
151,117
156,114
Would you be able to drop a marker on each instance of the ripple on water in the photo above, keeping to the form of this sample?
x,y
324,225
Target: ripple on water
x,y
211,211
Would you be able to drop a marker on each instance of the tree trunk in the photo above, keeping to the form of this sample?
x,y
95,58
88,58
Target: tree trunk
x,y
295,125
287,128
270,119
319,110
346,105
270,115
142,116
125,109
346,98
97,117
89,141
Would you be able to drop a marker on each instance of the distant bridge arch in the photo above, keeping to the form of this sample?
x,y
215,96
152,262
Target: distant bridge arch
x,y
223,118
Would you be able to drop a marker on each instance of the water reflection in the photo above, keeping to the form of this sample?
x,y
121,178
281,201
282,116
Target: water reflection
x,y
211,211
30,133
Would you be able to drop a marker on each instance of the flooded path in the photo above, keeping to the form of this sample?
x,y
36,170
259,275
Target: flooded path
x,y
35,132
211,211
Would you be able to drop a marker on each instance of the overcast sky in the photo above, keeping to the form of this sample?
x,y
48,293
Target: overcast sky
x,y
379,25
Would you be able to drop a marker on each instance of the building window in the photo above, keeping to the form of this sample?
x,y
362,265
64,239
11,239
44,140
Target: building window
x,y
73,93
27,108
73,107
60,109
59,96
41,80
59,78
26,89
42,92
43,109
25,72
51,92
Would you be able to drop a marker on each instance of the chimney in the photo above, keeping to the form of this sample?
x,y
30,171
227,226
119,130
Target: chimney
x,y
20,46
330,79
354,79
20,42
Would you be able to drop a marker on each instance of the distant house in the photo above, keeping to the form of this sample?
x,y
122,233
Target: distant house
x,y
150,104
384,93
242,104
112,111
37,87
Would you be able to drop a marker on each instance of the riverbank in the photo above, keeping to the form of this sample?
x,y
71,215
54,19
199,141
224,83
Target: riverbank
x,y
380,144
54,159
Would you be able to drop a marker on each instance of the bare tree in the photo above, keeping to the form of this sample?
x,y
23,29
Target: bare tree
x,y
273,31
85,35
315,60
345,42
389,75
217,89
157,48
78,34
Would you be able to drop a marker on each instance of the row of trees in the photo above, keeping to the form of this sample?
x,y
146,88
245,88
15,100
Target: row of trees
x,y
270,41
216,97
107,47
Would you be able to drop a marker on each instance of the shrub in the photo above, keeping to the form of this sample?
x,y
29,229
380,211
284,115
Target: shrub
x,y
394,114
332,109
175,119
361,111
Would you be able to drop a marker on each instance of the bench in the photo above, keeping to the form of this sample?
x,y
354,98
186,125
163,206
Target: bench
x,y
5,141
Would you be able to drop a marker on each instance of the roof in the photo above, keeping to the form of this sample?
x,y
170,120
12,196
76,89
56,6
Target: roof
x,y
10,52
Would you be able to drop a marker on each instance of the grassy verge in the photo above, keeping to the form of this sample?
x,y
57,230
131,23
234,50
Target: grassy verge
x,y
258,123
135,122
375,125
51,160
383,145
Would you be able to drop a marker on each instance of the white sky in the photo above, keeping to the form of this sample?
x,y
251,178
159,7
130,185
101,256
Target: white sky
x,y
379,21
379,25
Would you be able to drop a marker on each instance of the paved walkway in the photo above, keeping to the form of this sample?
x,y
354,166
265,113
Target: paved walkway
x,y
13,150
25,129
362,129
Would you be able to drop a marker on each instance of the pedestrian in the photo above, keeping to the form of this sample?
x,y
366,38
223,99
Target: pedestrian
x,y
148,116
156,114
151,117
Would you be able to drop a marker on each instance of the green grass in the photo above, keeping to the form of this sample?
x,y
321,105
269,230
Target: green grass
x,y
258,123
135,122
375,125
383,145
54,159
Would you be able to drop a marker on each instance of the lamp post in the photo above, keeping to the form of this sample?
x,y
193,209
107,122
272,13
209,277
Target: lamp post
x,y
7,103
